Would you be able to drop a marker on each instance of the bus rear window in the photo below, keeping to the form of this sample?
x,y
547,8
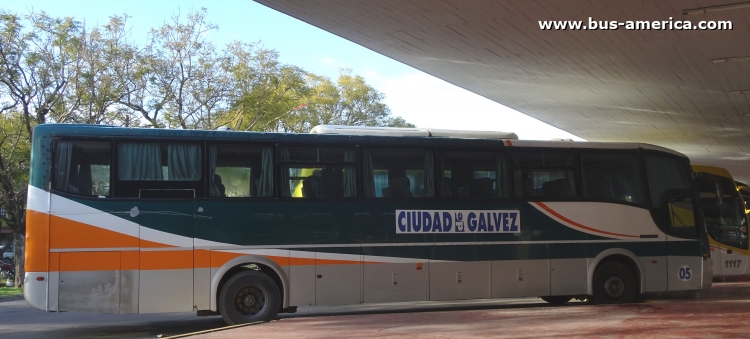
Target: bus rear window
x,y
82,167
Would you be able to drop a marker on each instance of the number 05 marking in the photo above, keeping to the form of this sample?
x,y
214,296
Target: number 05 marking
x,y
685,273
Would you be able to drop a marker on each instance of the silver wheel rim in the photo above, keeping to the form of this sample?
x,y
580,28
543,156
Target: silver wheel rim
x,y
613,287
250,300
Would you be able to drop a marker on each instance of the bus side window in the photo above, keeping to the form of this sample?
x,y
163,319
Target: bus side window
x,y
544,175
82,167
159,170
472,175
399,173
239,170
611,177
318,172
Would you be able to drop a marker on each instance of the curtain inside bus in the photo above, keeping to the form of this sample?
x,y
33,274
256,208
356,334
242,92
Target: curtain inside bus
x,y
350,179
213,186
63,155
139,161
429,174
184,162
265,183
143,161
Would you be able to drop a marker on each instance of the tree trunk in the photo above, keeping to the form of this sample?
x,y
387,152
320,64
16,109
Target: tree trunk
x,y
19,242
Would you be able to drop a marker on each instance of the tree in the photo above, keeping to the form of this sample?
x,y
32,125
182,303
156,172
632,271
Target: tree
x,y
58,70
15,150
263,91
97,85
36,66
185,71
350,101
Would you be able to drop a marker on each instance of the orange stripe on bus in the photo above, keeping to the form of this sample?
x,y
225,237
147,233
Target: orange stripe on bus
x,y
130,260
89,261
37,241
54,262
301,261
219,258
66,233
202,259
166,260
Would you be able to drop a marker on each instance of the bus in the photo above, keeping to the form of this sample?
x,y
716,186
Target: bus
x,y
726,220
744,190
248,225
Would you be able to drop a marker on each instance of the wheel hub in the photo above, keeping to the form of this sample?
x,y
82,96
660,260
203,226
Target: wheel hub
x,y
613,287
250,300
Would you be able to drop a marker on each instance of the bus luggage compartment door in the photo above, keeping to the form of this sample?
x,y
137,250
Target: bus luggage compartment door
x,y
166,250
338,279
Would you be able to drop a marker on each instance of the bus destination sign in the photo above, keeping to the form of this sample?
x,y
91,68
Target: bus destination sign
x,y
458,221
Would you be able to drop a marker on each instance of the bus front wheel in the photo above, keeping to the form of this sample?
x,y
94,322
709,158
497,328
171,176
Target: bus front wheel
x,y
249,296
614,283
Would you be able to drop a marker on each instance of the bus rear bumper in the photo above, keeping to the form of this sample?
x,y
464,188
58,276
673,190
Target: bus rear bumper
x,y
35,289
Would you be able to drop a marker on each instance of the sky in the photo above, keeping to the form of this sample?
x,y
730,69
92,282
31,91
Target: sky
x,y
420,98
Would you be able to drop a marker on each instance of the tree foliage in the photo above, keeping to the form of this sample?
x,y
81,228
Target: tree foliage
x,y
59,70
350,101
15,151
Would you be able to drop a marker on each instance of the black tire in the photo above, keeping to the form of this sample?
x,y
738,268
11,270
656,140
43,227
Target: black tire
x,y
249,296
556,299
614,283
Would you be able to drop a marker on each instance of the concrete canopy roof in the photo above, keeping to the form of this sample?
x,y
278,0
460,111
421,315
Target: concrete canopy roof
x,y
672,88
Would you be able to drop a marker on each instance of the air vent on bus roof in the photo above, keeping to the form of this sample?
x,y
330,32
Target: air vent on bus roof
x,y
415,132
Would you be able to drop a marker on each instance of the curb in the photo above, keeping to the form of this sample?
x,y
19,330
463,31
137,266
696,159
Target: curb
x,y
184,335
11,298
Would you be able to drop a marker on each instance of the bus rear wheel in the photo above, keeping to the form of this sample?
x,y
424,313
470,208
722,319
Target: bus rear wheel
x,y
614,283
249,296
556,299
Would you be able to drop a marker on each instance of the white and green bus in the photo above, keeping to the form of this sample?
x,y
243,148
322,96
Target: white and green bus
x,y
248,225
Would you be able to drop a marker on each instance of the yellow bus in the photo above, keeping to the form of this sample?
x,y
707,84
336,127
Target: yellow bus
x,y
744,190
725,215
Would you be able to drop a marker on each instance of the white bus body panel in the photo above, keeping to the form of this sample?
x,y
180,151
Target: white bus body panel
x,y
337,284
460,280
568,276
395,282
520,278
35,291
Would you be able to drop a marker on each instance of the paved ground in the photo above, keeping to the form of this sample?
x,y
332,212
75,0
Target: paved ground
x,y
19,320
721,312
